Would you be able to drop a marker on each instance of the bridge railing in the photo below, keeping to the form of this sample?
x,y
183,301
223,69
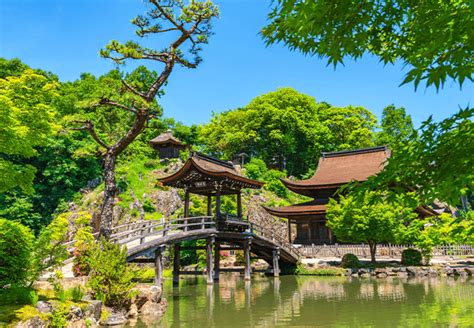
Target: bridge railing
x,y
276,237
146,229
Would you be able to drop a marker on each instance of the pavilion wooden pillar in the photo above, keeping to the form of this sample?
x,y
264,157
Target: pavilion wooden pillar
x,y
276,267
186,203
239,204
209,205
247,270
159,266
209,266
218,202
289,231
176,264
217,258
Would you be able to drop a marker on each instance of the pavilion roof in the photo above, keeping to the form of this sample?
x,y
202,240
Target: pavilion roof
x,y
308,208
166,138
203,174
338,168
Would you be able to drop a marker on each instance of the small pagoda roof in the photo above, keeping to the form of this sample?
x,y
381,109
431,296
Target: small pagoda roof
x,y
338,168
308,208
203,174
166,138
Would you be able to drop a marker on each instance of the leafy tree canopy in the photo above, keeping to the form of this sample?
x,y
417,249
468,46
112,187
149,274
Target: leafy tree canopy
x,y
287,130
369,220
26,121
433,38
396,125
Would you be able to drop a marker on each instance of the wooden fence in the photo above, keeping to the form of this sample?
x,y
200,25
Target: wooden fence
x,y
385,250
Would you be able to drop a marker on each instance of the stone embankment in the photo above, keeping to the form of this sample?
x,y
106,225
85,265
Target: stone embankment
x,y
412,271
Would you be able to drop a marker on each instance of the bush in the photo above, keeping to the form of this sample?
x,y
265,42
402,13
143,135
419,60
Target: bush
x,y
350,261
411,257
110,277
75,294
304,271
16,243
59,316
18,295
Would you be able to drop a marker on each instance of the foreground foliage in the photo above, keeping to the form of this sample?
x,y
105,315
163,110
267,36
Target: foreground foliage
x,y
433,38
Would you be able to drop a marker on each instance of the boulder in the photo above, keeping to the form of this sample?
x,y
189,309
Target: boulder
x,y
402,274
147,294
44,307
153,309
75,313
77,324
115,319
34,322
94,309
470,271
133,312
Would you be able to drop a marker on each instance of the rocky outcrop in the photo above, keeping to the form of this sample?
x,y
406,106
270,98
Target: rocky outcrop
x,y
35,322
257,214
167,201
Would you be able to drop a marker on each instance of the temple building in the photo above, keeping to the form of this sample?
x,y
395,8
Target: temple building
x,y
167,145
334,170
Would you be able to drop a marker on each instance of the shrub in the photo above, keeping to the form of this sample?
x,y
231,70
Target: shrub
x,y
82,248
111,278
148,206
75,294
15,252
350,261
18,295
304,271
411,256
59,316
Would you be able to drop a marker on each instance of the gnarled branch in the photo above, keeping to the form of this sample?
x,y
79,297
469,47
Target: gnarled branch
x,y
89,126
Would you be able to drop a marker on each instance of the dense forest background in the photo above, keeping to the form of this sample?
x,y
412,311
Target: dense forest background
x,y
47,164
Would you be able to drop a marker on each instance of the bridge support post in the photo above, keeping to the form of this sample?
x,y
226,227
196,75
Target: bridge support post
x,y
186,203
217,258
159,266
247,271
276,267
176,264
209,242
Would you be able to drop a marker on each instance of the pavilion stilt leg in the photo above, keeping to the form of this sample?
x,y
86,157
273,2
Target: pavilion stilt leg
x,y
159,267
217,255
176,264
247,270
209,263
276,267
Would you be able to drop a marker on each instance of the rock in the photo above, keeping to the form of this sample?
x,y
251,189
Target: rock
x,y
115,319
147,294
133,312
44,307
470,271
448,271
413,271
77,324
365,275
152,309
432,272
363,271
94,309
34,322
402,269
75,313
402,274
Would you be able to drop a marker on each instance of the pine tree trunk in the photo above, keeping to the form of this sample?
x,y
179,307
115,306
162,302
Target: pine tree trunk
x,y
110,191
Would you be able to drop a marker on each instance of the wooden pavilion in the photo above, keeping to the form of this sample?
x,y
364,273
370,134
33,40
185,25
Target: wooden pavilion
x,y
167,145
334,170
211,177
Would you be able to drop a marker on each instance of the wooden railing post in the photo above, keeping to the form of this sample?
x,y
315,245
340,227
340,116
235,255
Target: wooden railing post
x,y
202,223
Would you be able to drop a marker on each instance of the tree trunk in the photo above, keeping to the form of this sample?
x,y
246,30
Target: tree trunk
x,y
373,249
110,191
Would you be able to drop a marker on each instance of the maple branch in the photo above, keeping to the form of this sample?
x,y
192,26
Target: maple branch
x,y
108,102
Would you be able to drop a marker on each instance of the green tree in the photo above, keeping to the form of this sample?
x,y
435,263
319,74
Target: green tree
x,y
287,130
436,163
184,24
26,121
396,125
433,38
16,243
369,220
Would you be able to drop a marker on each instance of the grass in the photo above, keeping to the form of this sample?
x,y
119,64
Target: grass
x,y
304,271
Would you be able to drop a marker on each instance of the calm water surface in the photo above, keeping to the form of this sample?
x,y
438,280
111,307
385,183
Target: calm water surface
x,y
292,301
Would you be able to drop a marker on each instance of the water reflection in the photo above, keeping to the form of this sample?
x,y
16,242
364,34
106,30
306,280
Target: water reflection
x,y
321,302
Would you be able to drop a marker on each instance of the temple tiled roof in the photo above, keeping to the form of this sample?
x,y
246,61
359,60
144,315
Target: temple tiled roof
x,y
166,138
200,171
308,208
338,168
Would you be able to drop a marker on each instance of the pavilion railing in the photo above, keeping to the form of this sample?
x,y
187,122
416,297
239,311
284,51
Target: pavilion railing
x,y
383,250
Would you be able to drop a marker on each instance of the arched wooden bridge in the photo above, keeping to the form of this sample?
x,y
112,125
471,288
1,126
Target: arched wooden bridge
x,y
146,240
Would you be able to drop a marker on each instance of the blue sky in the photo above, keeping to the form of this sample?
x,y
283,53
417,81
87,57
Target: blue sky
x,y
64,36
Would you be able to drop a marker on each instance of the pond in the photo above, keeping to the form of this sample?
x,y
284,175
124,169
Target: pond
x,y
307,301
